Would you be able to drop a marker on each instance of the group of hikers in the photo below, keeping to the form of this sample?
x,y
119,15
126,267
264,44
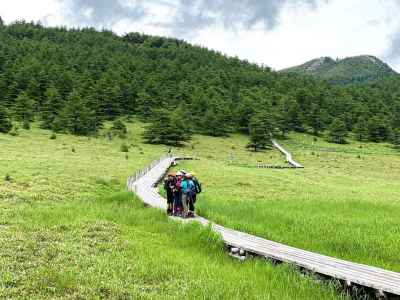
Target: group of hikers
x,y
182,189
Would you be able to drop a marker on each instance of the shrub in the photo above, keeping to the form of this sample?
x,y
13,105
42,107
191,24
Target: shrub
x,y
124,148
122,135
73,149
53,136
26,125
8,177
14,131
119,126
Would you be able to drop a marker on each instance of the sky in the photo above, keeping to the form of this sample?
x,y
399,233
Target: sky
x,y
275,33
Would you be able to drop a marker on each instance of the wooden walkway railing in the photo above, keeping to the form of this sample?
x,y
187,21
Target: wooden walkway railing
x,y
385,283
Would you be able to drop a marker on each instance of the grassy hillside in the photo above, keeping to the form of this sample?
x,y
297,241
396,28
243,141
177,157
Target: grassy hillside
x,y
68,231
348,70
345,203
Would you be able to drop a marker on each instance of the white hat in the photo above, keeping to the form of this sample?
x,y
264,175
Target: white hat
x,y
179,174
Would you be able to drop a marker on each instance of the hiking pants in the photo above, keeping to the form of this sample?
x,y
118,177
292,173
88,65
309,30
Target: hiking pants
x,y
177,202
185,198
191,205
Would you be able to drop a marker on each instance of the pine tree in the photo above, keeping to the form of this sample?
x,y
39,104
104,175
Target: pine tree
x,y
294,116
396,114
378,129
396,139
168,128
315,119
260,132
361,129
24,108
75,118
337,132
1,22
108,96
5,122
51,107
214,124
145,104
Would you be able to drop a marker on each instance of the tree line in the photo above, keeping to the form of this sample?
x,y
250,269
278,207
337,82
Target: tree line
x,y
73,80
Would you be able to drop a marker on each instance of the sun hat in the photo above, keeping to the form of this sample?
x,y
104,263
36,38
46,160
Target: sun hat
x,y
179,174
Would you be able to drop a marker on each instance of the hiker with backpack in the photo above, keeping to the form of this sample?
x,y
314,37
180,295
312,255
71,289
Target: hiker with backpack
x,y
197,185
169,185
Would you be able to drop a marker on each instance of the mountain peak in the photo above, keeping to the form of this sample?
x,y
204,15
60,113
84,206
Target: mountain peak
x,y
354,69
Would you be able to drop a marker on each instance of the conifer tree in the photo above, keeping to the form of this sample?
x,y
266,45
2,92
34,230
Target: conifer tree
x,y
5,122
75,118
24,108
337,132
361,129
396,139
145,104
260,132
51,107
294,116
378,129
168,128
315,119
214,123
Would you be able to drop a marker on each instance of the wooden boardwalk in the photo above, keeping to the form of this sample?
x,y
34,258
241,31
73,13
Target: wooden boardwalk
x,y
385,283
288,156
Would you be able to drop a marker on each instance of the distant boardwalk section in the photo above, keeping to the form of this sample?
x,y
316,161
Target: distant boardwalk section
x,y
288,156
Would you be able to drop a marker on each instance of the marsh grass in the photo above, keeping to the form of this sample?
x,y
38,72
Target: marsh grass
x,y
345,203
68,232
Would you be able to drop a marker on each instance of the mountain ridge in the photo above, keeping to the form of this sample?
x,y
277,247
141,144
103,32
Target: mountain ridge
x,y
354,69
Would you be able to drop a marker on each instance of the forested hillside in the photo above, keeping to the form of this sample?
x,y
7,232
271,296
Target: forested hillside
x,y
74,80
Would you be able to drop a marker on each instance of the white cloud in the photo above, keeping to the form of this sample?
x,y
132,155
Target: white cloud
x,y
11,10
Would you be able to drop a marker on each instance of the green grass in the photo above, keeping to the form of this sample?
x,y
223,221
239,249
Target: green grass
x,y
345,203
68,232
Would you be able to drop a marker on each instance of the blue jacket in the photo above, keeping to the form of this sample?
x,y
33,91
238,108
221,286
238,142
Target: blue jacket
x,y
188,186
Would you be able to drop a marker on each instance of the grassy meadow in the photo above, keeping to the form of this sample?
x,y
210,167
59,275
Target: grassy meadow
x,y
345,203
69,231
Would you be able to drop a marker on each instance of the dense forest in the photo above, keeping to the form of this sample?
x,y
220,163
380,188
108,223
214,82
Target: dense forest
x,y
73,80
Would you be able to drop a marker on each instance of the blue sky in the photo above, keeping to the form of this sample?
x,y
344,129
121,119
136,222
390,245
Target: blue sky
x,y
276,33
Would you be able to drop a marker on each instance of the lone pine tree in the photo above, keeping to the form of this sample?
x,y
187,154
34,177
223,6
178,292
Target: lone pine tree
x,y
260,130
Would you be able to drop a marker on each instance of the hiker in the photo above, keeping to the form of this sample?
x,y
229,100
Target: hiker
x,y
169,184
197,186
177,206
188,189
